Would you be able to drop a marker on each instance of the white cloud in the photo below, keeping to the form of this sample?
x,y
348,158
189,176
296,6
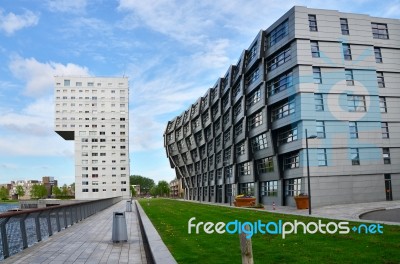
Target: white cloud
x,y
39,77
9,23
70,6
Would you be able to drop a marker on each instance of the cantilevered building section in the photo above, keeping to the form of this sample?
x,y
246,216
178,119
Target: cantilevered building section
x,y
336,75
93,111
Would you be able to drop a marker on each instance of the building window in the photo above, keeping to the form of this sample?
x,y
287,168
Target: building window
x,y
244,169
238,129
346,51
237,109
378,55
218,158
259,142
269,188
247,189
67,82
240,149
227,136
382,104
225,118
319,102
236,90
255,120
385,129
356,103
381,79
349,77
314,49
196,123
322,160
225,101
317,75
353,129
278,33
312,22
253,77
252,53
386,155
344,26
287,135
380,31
280,83
354,156
284,110
291,160
265,165
218,141
253,98
227,154
278,59
293,187
320,127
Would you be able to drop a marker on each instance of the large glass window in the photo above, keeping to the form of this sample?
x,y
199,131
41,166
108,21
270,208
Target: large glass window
x,y
380,31
269,188
265,165
291,160
312,22
280,83
381,79
320,127
278,59
385,129
322,160
319,102
317,75
349,77
378,55
314,49
284,110
386,155
293,187
253,77
382,104
346,51
356,103
239,129
278,33
244,169
353,129
252,52
344,26
253,98
255,120
240,149
259,142
287,135
354,156
247,188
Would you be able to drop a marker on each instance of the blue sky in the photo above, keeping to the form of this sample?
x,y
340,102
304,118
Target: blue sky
x,y
171,50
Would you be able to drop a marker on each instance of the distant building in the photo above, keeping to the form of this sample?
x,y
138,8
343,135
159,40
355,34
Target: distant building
x,y
94,113
49,183
176,188
334,74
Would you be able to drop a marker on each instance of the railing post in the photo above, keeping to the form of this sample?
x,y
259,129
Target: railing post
x,y
48,214
71,216
65,217
58,220
37,225
6,252
22,226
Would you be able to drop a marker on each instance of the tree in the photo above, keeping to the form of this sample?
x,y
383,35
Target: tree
x,y
56,191
64,191
38,191
4,193
133,191
20,191
163,188
145,183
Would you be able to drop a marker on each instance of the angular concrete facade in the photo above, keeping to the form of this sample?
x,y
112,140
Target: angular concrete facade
x,y
94,112
336,75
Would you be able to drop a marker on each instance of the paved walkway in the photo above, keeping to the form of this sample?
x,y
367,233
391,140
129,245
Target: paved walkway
x,y
88,242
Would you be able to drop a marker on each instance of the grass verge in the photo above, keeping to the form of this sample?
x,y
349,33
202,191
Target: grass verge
x,y
170,218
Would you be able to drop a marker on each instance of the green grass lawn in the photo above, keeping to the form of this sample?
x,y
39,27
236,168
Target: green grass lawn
x,y
171,217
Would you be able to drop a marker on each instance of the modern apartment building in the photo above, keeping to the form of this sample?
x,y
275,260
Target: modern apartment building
x,y
93,111
336,75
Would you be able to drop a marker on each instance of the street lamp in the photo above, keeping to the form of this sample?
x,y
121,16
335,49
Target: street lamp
x,y
308,172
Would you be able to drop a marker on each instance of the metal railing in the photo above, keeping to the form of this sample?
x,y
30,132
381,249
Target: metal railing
x,y
21,229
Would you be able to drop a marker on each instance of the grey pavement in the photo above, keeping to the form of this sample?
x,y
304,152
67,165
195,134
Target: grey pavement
x,y
88,241
350,212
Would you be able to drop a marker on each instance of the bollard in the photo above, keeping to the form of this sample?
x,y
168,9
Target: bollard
x,y
128,206
119,230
